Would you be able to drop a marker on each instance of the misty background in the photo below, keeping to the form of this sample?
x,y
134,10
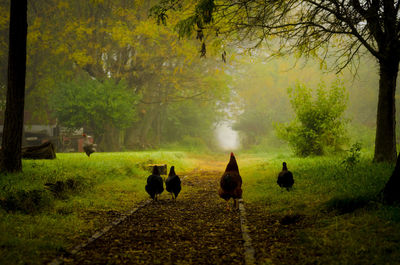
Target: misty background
x,y
108,70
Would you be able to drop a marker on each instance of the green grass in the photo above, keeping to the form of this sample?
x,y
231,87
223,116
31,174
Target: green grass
x,y
349,223
43,225
317,179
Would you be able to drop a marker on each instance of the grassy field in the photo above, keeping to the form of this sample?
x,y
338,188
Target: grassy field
x,y
36,223
344,221
350,225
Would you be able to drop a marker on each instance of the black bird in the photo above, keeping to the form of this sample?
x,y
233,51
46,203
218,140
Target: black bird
x,y
173,183
155,185
285,178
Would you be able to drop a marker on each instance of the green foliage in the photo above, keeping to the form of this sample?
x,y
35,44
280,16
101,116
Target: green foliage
x,y
319,124
353,156
66,40
190,119
185,27
205,9
159,11
94,105
201,17
253,124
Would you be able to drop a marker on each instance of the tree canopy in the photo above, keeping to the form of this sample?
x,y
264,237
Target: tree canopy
x,y
343,29
114,42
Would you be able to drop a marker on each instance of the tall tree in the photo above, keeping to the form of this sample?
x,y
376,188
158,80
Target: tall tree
x,y
14,113
347,28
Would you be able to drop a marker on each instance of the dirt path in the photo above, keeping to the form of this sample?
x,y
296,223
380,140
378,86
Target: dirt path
x,y
196,229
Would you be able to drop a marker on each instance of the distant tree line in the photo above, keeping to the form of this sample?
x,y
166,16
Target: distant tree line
x,y
107,67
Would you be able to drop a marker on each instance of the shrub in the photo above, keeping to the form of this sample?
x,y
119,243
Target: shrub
x,y
319,123
353,156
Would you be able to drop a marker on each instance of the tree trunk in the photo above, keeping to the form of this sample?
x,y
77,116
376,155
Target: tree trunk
x,y
131,138
391,192
160,119
146,138
110,141
385,140
14,113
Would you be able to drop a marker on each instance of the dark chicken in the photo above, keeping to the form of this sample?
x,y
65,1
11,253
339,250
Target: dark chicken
x,y
88,147
231,183
155,185
173,183
285,178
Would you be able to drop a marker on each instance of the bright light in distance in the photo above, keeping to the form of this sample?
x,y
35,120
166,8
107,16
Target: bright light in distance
x,y
227,138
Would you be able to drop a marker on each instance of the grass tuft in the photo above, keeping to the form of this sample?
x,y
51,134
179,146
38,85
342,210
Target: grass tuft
x,y
27,202
345,205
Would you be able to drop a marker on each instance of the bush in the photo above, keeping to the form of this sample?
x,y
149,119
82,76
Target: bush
x,y
319,124
95,105
353,156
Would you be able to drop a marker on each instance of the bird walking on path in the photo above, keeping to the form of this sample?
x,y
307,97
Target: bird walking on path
x,y
88,147
173,183
155,184
231,183
285,178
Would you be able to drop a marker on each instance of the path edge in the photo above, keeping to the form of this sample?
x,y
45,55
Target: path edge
x,y
249,258
60,259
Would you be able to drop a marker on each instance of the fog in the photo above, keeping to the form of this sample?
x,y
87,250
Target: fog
x,y
227,138
132,84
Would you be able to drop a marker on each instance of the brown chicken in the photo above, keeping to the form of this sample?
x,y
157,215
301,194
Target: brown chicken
x,y
231,183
